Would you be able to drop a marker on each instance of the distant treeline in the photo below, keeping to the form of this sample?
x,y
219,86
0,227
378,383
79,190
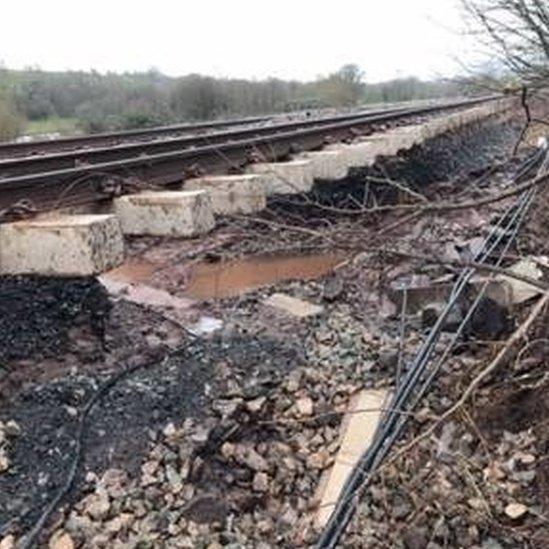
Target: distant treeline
x,y
101,102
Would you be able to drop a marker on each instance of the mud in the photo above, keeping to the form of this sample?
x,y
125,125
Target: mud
x,y
127,419
38,314
349,347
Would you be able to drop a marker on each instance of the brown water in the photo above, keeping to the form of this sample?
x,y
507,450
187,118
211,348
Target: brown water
x,y
217,280
133,272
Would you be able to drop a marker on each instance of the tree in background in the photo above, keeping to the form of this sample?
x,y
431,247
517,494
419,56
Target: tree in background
x,y
344,88
11,121
97,102
517,31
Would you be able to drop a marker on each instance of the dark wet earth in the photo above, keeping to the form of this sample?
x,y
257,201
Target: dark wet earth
x,y
120,427
57,314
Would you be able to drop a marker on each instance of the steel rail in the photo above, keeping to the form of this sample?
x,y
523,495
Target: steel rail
x,y
12,167
89,183
110,139
115,138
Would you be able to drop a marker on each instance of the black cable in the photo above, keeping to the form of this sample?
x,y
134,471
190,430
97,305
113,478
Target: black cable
x,y
392,423
29,539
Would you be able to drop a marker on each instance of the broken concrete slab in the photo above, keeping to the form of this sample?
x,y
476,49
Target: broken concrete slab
x,y
292,177
327,165
513,291
232,194
206,325
70,245
165,213
142,294
420,291
293,306
357,432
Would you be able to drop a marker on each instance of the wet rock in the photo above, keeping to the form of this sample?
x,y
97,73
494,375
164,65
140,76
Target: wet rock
x,y
304,406
249,457
254,406
260,482
11,429
4,461
489,321
293,306
432,311
516,511
79,526
206,509
294,380
8,542
97,505
333,288
113,481
401,510
388,356
508,291
491,543
174,479
415,538
61,540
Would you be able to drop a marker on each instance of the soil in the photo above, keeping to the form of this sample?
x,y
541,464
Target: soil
x,y
205,421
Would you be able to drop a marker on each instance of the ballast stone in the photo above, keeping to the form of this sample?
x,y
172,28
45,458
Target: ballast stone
x,y
294,177
69,245
165,213
232,194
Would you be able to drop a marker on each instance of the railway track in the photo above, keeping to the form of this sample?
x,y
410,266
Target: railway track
x,y
110,139
80,177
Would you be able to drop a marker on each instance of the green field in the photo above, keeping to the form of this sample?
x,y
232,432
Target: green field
x,y
64,126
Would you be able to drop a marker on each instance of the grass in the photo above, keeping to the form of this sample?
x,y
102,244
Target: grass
x,y
64,126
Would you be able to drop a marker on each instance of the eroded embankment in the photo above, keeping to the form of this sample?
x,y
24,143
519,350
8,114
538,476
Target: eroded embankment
x,y
225,440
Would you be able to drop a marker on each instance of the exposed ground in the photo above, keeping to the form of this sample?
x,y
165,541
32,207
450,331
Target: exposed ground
x,y
221,439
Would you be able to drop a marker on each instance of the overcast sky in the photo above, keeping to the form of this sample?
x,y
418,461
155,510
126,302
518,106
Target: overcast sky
x,y
292,39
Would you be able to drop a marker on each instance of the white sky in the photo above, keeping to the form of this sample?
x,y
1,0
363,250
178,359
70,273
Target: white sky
x,y
298,39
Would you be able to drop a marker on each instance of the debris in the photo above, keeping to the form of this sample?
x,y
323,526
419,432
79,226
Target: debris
x,y
97,505
11,429
61,540
293,306
4,461
142,294
516,510
357,430
446,439
420,290
8,542
305,406
508,291
261,482
206,325
432,311
333,288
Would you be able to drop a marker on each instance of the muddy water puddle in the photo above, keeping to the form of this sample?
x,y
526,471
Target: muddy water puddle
x,y
229,279
218,280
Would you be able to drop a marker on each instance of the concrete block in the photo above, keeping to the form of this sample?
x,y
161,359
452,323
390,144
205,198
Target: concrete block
x,y
70,245
292,177
293,306
358,429
361,153
165,213
232,194
327,165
